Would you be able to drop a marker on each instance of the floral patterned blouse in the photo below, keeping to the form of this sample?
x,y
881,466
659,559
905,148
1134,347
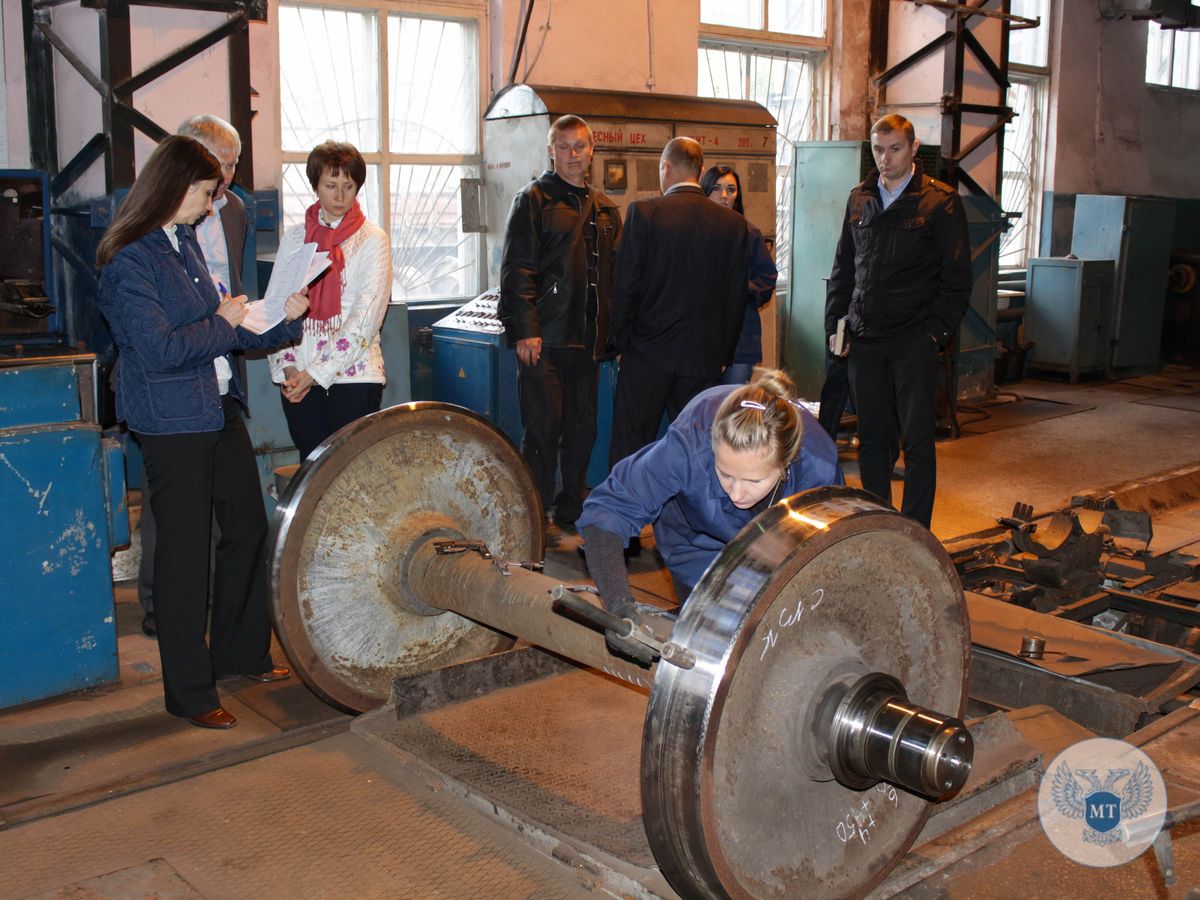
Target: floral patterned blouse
x,y
349,354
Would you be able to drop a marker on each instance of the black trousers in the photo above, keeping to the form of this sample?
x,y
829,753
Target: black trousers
x,y
644,393
148,533
190,477
894,381
324,410
834,393
558,410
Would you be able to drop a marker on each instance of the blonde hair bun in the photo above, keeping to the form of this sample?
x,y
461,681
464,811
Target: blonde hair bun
x,y
762,414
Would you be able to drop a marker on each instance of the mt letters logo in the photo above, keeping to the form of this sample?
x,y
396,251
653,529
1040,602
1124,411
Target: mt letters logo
x,y
1102,802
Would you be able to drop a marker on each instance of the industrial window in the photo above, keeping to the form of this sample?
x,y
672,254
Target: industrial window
x,y
1025,136
419,135
1030,46
1021,185
786,83
1172,57
804,18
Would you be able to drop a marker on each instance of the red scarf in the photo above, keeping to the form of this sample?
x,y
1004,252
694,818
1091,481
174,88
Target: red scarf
x,y
325,294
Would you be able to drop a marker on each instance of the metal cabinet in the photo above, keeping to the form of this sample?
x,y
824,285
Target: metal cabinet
x,y
1068,314
473,367
1135,232
62,486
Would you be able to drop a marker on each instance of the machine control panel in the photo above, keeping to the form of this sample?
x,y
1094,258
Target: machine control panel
x,y
480,315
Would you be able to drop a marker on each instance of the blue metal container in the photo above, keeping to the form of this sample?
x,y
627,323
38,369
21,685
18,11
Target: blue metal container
x,y
1068,314
1136,233
474,368
62,487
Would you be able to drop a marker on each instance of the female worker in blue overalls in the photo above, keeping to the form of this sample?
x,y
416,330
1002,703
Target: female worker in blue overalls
x,y
732,452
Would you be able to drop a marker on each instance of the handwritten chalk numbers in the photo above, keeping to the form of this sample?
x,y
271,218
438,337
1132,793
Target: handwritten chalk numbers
x,y
789,617
862,820
889,792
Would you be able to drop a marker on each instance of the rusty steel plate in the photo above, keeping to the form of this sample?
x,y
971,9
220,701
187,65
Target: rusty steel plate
x,y
341,532
738,796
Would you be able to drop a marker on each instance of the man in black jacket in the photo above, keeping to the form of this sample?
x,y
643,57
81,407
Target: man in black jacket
x,y
679,298
555,291
902,278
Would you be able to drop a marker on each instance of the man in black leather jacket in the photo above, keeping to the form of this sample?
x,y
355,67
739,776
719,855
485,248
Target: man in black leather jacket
x,y
555,291
902,277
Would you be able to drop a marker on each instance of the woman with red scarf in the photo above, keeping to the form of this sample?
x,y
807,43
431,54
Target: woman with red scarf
x,y
334,374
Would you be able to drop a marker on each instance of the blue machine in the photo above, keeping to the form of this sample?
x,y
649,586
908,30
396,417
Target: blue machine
x,y
472,367
1068,314
28,311
62,486
1136,233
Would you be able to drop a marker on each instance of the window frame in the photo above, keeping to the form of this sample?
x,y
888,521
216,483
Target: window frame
x,y
1172,87
1048,24
1039,80
1041,75
819,59
383,159
765,38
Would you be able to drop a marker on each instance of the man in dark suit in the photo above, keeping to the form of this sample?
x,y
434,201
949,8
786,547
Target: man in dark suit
x,y
222,238
679,297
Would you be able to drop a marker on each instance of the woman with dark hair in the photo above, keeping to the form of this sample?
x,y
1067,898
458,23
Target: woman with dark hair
x,y
722,185
182,400
731,453
335,375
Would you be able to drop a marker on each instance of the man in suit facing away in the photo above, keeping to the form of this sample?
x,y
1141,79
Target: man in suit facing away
x,y
679,296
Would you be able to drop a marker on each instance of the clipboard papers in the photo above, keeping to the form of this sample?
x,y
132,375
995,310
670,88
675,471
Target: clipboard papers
x,y
287,277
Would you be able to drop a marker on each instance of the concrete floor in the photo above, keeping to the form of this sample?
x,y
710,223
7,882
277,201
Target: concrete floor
x,y
104,795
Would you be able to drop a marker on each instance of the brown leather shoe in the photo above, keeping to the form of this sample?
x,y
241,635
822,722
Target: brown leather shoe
x,y
215,718
278,673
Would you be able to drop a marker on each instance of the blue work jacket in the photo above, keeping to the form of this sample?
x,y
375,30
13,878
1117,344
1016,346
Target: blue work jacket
x,y
673,483
161,306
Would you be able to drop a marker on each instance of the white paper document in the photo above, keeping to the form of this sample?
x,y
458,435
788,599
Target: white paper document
x,y
287,277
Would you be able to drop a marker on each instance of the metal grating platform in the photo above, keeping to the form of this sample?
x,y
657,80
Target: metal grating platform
x,y
338,818
563,752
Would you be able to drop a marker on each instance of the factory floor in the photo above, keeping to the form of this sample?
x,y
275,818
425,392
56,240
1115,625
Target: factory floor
x,y
103,794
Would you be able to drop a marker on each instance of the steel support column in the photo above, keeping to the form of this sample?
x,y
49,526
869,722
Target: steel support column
x,y
39,89
116,65
116,83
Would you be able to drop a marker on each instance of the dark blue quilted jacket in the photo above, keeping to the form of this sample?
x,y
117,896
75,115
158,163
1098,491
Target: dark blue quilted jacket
x,y
161,306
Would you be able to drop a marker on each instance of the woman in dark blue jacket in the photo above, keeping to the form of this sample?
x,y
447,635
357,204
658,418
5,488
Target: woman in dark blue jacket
x,y
723,186
731,453
181,398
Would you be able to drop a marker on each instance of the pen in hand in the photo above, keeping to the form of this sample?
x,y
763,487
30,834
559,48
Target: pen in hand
x,y
228,309
224,292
